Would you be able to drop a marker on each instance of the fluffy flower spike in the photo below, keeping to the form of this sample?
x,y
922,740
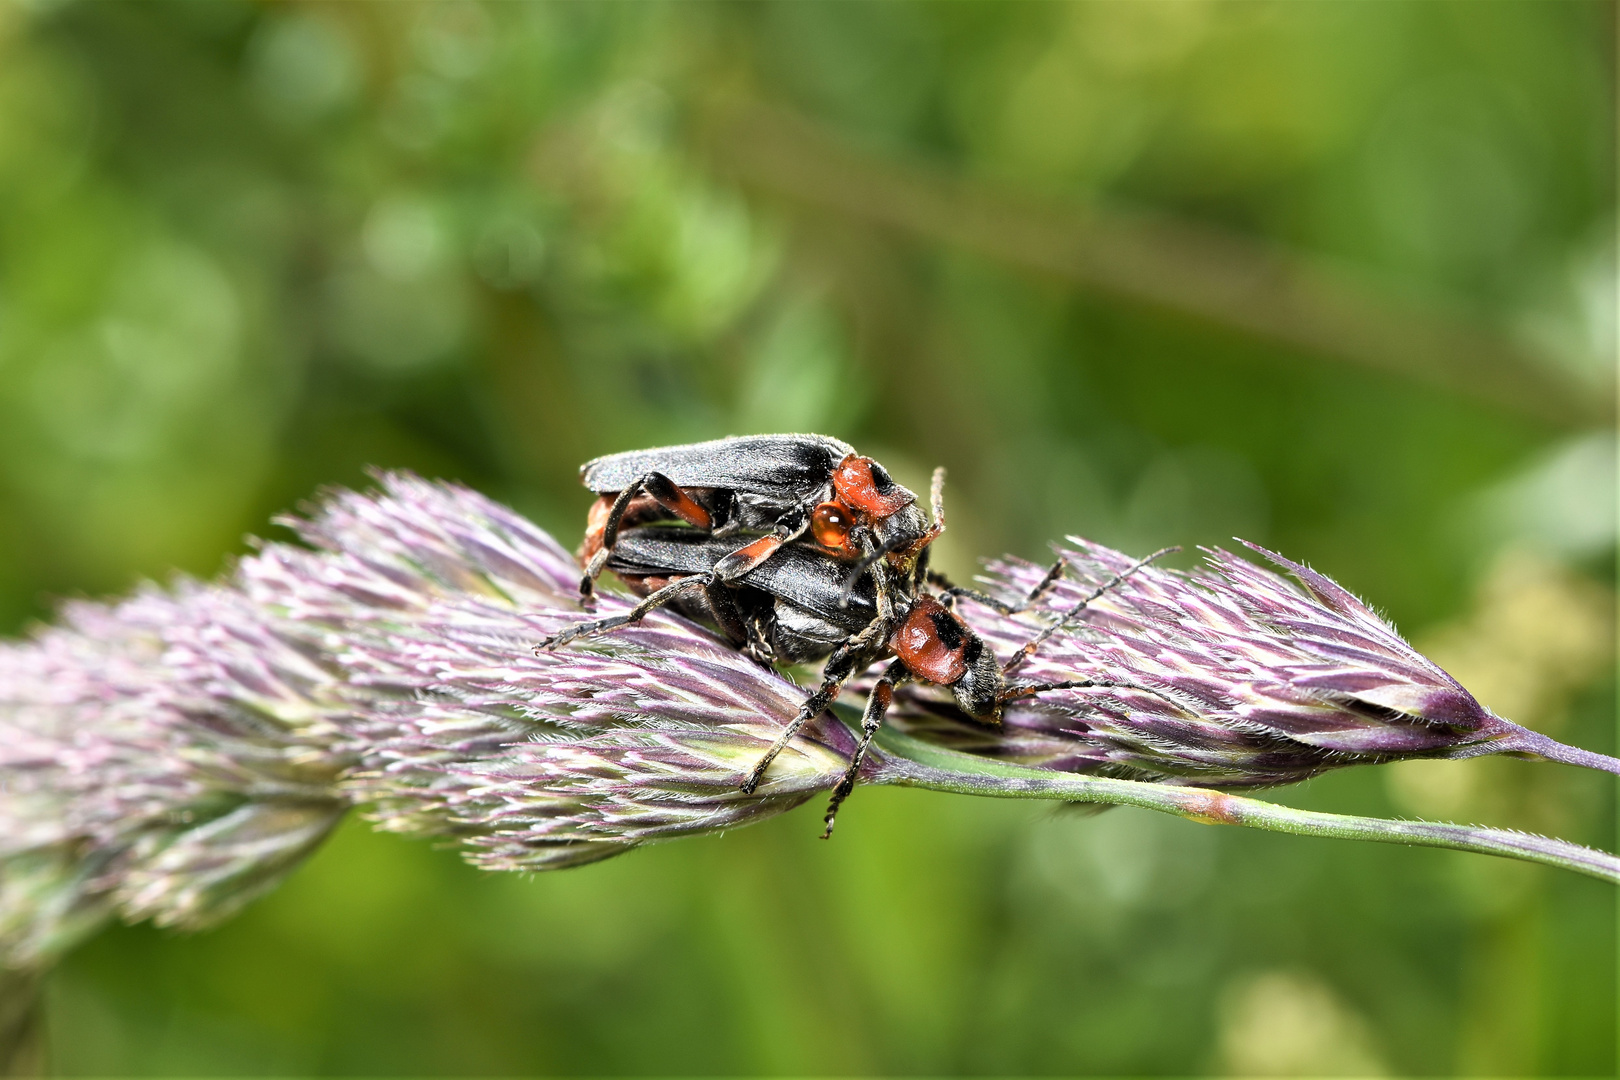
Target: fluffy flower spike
x,y
1261,682
171,756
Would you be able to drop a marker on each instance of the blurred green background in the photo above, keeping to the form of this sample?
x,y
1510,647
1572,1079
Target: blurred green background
x,y
1338,278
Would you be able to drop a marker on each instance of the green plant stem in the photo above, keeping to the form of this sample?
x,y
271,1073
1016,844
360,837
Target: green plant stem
x,y
1548,749
911,762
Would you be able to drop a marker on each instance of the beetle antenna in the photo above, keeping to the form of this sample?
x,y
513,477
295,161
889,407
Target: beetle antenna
x,y
1014,691
1112,583
861,567
936,500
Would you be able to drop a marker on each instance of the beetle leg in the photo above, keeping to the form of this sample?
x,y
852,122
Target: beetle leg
x,y
1112,583
610,536
1014,691
867,561
757,627
883,596
593,570
665,492
729,617
848,658
751,555
877,706
1049,580
668,593
724,512
793,522
832,683
676,500
747,557
953,592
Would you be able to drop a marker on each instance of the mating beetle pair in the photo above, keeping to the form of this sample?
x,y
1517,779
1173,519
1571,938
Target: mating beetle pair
x,y
793,600
778,485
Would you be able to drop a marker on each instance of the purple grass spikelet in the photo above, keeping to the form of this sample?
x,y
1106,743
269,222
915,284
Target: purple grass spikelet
x,y
1257,682
171,756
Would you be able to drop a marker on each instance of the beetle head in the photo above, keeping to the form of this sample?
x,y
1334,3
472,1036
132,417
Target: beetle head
x,y
905,533
978,691
868,512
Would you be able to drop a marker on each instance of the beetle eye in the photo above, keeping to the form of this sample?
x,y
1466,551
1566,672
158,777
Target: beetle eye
x,y
831,523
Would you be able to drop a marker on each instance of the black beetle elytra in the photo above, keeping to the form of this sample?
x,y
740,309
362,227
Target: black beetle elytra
x,y
778,486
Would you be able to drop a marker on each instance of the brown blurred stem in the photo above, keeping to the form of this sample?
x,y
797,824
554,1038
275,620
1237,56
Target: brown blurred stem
x,y
1212,274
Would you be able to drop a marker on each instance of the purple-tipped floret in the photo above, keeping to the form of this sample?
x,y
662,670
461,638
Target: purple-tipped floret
x,y
1259,682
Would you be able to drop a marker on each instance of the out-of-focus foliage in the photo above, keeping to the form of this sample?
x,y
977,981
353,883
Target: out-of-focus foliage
x,y
246,250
